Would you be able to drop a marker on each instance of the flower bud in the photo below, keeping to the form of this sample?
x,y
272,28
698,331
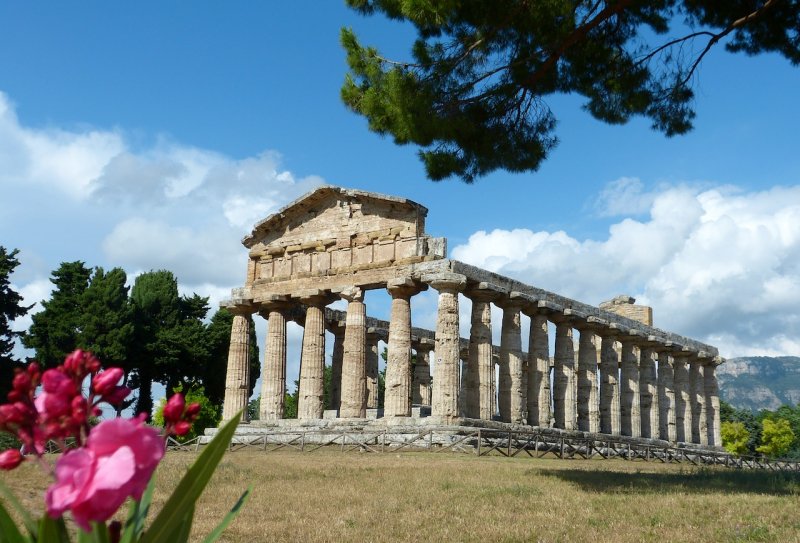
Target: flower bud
x,y
192,410
104,383
173,410
10,459
182,428
22,382
117,395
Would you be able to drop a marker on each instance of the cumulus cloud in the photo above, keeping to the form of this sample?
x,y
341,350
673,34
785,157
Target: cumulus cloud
x,y
719,264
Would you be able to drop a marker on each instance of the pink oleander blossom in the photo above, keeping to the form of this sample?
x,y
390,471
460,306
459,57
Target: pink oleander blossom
x,y
117,461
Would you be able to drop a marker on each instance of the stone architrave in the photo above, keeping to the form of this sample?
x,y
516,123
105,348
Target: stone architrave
x,y
711,388
697,392
564,377
273,375
354,367
237,377
588,406
337,358
372,368
648,392
629,407
683,402
511,394
538,372
666,396
421,384
609,386
444,403
479,391
397,399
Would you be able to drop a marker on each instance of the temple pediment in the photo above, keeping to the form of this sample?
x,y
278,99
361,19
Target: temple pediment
x,y
332,230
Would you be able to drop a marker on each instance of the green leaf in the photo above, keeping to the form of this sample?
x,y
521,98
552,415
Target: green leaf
x,y
137,514
52,530
216,532
181,532
192,484
8,528
30,524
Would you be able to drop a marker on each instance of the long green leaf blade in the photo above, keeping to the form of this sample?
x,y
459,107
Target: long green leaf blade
x,y
137,514
30,524
216,532
8,528
191,485
52,530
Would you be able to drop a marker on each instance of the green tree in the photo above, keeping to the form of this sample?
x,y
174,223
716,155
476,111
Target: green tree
x,y
776,437
751,422
735,437
55,330
156,308
473,94
11,308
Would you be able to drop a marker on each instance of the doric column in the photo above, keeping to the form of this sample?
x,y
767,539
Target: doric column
x,y
372,368
511,395
237,376
683,403
609,384
648,392
629,407
480,368
445,379
538,371
421,384
311,387
337,358
564,376
397,399
697,392
588,405
354,363
273,374
712,402
666,396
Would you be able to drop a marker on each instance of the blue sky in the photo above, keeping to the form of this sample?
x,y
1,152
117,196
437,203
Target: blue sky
x,y
154,134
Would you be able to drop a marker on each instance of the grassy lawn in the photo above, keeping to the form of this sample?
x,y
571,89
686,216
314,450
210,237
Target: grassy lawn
x,y
332,496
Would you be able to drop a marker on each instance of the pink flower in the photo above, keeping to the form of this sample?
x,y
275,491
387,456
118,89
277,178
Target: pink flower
x,y
173,410
105,383
10,459
117,462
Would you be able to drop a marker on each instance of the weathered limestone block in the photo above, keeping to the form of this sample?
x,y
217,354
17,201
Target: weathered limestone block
x,y
273,376
372,368
648,393
445,380
337,358
666,396
564,378
538,372
397,402
421,384
630,411
511,394
683,403
311,388
697,392
237,378
712,403
354,368
609,387
480,369
588,406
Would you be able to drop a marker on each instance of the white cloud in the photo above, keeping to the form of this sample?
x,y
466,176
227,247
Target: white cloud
x,y
720,265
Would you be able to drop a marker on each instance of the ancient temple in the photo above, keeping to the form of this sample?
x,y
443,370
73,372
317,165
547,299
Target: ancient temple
x,y
610,372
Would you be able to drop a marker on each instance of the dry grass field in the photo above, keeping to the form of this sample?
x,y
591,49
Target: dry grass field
x,y
332,496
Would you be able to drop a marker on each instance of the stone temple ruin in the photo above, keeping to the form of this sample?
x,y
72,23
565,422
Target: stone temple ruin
x,y
622,377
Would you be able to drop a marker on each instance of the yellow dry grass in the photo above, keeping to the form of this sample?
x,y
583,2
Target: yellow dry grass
x,y
332,496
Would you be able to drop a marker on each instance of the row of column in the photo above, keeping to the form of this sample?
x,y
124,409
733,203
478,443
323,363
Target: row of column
x,y
617,383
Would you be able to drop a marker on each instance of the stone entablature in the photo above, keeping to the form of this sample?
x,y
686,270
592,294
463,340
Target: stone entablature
x,y
608,373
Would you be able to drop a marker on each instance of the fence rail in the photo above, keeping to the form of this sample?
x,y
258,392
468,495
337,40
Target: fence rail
x,y
489,442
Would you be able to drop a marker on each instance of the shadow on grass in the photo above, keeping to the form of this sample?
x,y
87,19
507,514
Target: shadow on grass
x,y
703,481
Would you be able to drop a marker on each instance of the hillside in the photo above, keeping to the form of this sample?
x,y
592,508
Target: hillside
x,y
760,382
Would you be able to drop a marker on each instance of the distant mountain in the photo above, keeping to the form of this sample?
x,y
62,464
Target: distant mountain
x,y
760,382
